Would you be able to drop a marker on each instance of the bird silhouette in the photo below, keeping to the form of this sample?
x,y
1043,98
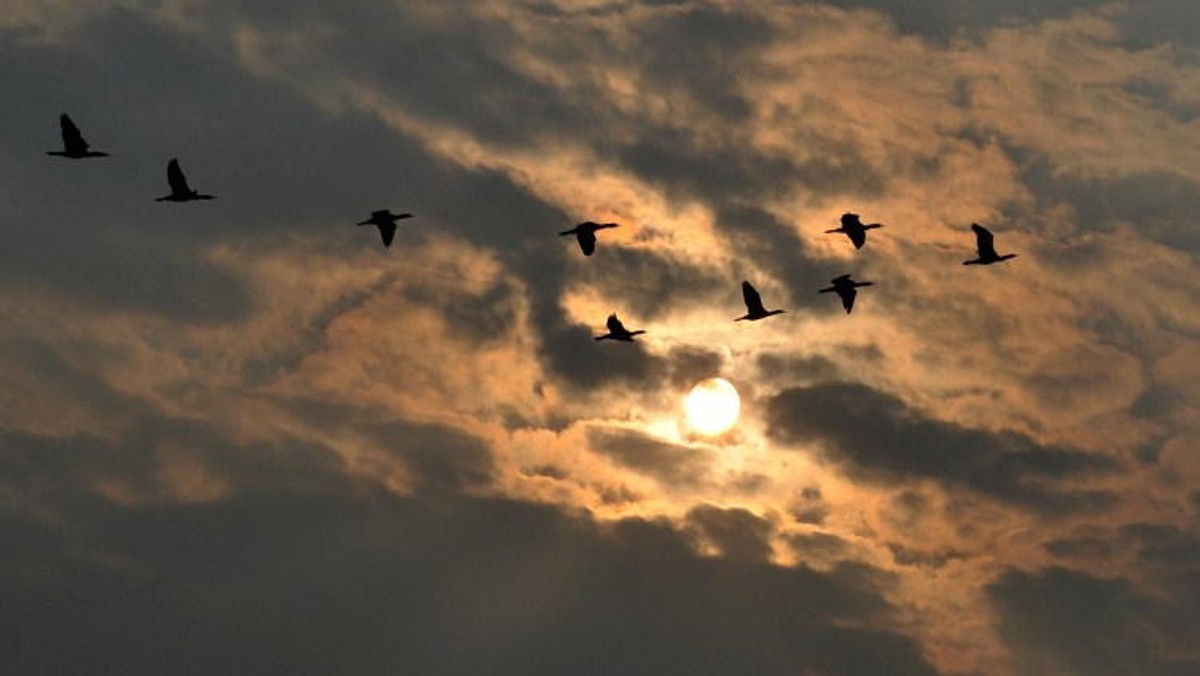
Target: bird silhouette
x,y
385,220
986,249
74,146
180,190
754,306
586,234
844,287
855,230
617,331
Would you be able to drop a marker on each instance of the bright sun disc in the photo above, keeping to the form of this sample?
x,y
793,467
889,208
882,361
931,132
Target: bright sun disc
x,y
712,406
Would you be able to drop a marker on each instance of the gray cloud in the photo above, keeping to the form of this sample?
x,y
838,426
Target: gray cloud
x,y
1060,621
737,533
671,464
274,584
876,436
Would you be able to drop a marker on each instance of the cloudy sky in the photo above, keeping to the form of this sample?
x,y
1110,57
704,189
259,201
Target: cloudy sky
x,y
241,437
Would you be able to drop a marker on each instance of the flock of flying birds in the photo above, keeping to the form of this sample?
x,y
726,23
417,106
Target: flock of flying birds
x,y
75,147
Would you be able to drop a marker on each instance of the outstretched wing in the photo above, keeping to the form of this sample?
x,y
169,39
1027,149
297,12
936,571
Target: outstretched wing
x,y
847,293
983,241
614,325
587,241
388,232
752,299
176,179
72,140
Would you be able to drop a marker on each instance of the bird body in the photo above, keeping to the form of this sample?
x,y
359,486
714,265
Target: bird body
x,y
585,233
74,145
754,305
844,287
180,190
855,229
617,331
385,220
984,245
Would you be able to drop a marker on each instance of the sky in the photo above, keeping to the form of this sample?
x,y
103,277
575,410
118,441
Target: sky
x,y
240,436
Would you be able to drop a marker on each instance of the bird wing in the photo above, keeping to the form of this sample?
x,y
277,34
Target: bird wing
x,y
388,232
842,278
752,299
614,325
587,241
381,214
983,241
176,179
850,220
847,294
72,139
858,236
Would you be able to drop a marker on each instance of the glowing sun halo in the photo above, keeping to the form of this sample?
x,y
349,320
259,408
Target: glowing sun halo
x,y
712,406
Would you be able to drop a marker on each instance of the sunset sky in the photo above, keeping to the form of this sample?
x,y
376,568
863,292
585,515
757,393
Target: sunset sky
x,y
242,437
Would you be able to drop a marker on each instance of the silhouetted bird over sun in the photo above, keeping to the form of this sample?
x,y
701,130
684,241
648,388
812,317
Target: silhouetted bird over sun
x,y
617,331
986,249
586,234
855,230
74,146
385,220
754,306
180,190
844,287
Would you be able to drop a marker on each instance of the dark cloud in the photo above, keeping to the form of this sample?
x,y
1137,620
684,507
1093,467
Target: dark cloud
x,y
819,546
907,556
1091,549
442,458
791,368
274,584
671,464
1061,621
736,533
877,436
809,506
690,364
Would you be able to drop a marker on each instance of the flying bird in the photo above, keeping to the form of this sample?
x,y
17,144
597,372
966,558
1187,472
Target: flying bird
x,y
855,230
617,331
74,146
180,190
844,287
385,220
987,250
586,234
754,306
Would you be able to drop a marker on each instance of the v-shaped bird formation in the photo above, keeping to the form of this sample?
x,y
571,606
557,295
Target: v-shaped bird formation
x,y
75,147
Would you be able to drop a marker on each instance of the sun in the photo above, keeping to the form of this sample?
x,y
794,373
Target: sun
x,y
712,406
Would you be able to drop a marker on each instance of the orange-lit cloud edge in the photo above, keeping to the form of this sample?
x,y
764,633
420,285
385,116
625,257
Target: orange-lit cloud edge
x,y
1055,349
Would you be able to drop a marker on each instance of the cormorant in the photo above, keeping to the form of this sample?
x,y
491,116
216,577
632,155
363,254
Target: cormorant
x,y
844,287
180,191
855,230
586,234
987,250
74,146
617,331
385,220
754,306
